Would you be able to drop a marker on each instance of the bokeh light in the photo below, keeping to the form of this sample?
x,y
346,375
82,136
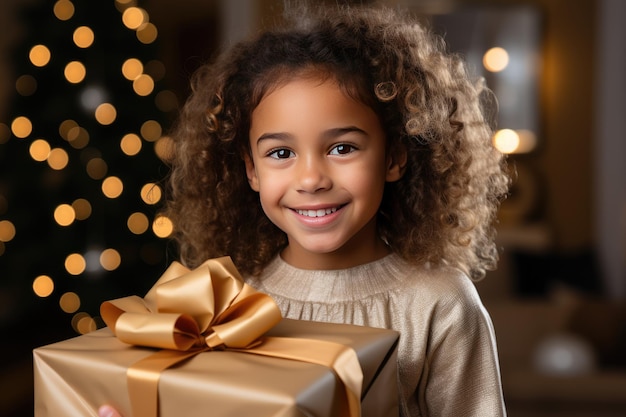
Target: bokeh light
x,y
21,127
134,17
40,55
147,33
78,137
132,68
75,264
110,259
39,150
82,208
151,130
7,230
112,187
130,144
64,214
143,85
63,9
138,223
151,193
43,286
58,159
26,85
83,37
164,149
85,324
97,168
75,72
69,302
162,226
105,113
496,59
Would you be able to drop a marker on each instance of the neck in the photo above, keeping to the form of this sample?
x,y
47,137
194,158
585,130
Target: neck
x,y
365,247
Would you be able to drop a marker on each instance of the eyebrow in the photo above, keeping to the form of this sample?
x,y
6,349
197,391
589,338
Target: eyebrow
x,y
327,134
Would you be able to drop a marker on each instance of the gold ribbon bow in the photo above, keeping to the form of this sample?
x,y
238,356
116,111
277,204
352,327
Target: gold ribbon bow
x,y
191,311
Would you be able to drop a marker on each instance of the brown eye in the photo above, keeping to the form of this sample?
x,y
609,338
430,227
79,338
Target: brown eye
x,y
342,149
280,153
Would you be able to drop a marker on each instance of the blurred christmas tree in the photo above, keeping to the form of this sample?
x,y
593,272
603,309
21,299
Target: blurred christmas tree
x,y
81,165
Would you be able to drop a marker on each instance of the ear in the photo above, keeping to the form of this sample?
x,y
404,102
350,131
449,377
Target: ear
x,y
253,179
396,163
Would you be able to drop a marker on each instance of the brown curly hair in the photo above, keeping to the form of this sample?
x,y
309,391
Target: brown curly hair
x,y
441,211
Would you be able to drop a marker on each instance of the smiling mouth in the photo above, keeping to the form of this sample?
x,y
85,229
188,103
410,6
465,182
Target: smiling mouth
x,y
317,213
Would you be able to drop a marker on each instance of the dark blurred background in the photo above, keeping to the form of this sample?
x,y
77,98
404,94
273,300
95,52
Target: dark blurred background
x,y
89,89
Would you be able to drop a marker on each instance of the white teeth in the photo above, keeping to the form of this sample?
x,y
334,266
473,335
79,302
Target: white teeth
x,y
316,213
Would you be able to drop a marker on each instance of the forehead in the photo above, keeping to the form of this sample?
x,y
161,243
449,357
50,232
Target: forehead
x,y
308,107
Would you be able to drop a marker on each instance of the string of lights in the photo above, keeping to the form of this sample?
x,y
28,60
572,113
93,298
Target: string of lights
x,y
82,158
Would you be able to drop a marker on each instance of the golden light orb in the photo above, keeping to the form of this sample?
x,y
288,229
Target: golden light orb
x,y
105,114
496,59
151,193
143,85
162,226
130,144
65,127
110,259
43,286
506,140
7,231
78,137
97,168
151,130
69,302
134,17
138,223
39,150
21,127
83,37
132,68
86,325
147,33
39,55
75,72
58,159
112,187
82,208
164,149
63,9
75,264
64,214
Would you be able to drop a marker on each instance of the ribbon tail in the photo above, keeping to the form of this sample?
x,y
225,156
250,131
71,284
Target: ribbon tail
x,y
343,360
143,380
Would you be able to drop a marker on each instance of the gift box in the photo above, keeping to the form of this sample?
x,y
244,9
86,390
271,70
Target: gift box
x,y
75,376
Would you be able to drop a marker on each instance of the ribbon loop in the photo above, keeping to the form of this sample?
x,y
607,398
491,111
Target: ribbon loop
x,y
209,303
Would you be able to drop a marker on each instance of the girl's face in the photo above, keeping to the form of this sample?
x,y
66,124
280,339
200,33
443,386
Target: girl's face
x,y
320,167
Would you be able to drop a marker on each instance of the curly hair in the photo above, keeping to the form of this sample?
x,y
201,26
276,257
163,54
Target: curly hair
x,y
442,210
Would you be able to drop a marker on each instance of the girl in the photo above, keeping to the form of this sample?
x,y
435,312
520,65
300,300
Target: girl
x,y
345,165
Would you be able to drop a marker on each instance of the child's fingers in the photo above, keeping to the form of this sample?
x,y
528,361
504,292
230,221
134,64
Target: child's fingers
x,y
108,411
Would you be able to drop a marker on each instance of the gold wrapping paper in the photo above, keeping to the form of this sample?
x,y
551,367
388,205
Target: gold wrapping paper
x,y
74,377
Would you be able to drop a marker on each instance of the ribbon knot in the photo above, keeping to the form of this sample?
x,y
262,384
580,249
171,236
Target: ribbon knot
x,y
209,306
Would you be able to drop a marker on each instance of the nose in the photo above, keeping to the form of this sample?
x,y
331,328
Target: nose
x,y
312,175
